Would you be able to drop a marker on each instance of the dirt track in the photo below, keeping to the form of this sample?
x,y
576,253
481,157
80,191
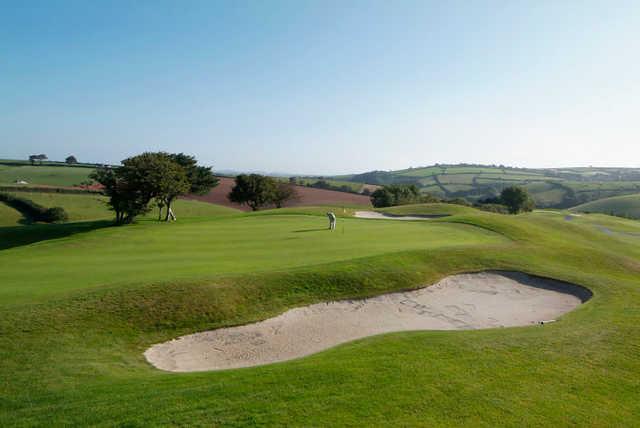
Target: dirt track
x,y
467,301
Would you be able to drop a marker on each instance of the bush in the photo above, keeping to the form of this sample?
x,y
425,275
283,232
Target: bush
x,y
33,211
55,215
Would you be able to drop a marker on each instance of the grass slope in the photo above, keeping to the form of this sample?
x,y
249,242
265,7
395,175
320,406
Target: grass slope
x,y
624,206
9,216
76,314
561,188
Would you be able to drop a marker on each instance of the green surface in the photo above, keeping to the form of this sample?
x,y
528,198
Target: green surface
x,y
9,216
624,206
44,175
77,312
93,207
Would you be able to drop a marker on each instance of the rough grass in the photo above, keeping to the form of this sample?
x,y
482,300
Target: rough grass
x,y
71,349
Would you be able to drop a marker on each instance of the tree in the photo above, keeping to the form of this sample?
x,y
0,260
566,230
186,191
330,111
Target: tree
x,y
34,158
283,192
152,175
71,160
126,199
201,178
396,194
254,190
382,197
516,199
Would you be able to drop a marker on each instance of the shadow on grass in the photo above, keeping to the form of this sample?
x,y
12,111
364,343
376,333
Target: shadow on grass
x,y
311,230
15,236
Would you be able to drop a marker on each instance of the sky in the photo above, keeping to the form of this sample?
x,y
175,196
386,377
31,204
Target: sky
x,y
323,87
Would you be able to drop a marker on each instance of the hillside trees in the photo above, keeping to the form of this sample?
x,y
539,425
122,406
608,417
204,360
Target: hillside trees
x,y
142,178
397,194
283,193
254,190
517,199
257,190
40,157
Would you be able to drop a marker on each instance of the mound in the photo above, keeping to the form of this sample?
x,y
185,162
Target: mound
x,y
624,206
308,196
468,301
381,215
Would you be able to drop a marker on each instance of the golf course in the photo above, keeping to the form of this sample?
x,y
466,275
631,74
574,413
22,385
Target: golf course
x,y
82,302
320,214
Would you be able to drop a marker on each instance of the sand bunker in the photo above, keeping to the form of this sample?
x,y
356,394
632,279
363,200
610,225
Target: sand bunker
x,y
468,301
378,215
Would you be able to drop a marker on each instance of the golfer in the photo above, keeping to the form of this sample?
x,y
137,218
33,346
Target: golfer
x,y
332,221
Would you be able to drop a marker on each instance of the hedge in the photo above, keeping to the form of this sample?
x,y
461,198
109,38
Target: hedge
x,y
33,211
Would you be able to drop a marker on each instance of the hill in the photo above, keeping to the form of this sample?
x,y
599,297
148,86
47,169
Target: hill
x,y
556,187
622,206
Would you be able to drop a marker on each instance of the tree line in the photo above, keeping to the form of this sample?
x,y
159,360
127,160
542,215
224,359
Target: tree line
x,y
159,178
512,200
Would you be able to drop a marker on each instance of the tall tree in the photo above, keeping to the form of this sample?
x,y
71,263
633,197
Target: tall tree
x,y
71,160
152,175
254,190
126,197
201,178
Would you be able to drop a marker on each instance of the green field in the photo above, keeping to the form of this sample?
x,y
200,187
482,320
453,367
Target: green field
x,y
624,206
559,188
44,175
79,303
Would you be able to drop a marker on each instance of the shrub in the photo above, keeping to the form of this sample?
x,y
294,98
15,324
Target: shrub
x,y
33,211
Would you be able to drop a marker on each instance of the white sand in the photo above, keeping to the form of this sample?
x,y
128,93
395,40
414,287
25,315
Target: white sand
x,y
468,301
378,215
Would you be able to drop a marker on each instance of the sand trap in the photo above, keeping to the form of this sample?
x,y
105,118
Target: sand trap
x,y
378,215
468,301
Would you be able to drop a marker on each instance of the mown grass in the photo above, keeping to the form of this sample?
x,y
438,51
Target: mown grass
x,y
9,216
92,206
71,354
625,206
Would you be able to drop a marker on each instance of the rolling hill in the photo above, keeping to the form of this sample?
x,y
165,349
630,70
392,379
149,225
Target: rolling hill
x,y
557,187
622,206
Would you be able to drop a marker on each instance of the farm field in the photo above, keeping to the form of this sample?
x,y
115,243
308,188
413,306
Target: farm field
x,y
307,196
78,310
559,188
44,175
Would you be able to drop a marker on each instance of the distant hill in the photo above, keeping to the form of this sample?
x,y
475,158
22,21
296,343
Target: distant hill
x,y
622,206
553,187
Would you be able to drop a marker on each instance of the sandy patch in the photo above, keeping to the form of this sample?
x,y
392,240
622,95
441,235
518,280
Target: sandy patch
x,y
378,215
459,302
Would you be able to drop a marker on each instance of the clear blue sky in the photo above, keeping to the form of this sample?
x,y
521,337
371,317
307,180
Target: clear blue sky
x,y
323,87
